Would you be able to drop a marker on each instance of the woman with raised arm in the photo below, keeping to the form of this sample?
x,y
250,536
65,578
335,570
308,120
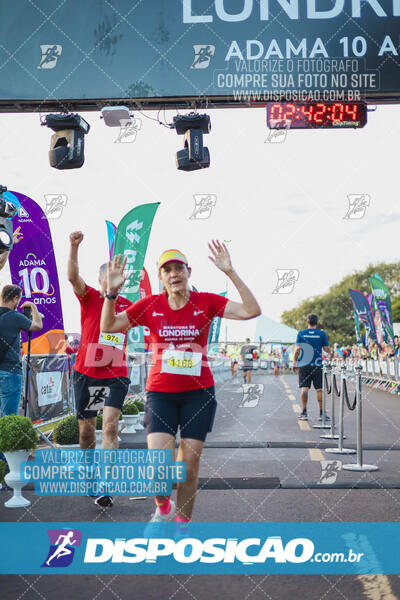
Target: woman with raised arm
x,y
180,388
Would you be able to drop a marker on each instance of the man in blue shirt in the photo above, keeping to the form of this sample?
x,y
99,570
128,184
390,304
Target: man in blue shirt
x,y
310,343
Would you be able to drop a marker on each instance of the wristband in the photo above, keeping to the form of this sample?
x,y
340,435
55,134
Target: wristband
x,y
111,296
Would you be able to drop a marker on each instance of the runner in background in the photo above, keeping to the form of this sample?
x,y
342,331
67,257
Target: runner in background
x,y
100,374
180,390
246,354
285,359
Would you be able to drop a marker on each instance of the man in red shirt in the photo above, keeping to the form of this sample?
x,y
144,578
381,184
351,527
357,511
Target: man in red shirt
x,y
100,375
180,387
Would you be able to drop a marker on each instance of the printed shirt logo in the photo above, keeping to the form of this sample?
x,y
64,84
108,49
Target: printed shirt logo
x,y
156,314
98,395
62,547
197,312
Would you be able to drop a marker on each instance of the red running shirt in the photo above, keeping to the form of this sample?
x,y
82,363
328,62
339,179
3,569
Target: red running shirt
x,y
176,332
94,359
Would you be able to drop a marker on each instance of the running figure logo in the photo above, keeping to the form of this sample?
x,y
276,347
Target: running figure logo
x,y
251,394
128,131
203,205
50,55
330,470
55,204
358,204
62,547
286,280
98,395
202,56
278,134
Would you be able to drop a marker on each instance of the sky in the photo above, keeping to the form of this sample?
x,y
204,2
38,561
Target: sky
x,y
280,205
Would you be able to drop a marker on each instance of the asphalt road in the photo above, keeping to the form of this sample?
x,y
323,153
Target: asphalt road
x,y
260,464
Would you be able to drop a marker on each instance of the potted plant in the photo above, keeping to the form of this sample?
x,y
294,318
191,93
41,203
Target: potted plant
x,y
131,415
140,407
99,430
66,433
18,438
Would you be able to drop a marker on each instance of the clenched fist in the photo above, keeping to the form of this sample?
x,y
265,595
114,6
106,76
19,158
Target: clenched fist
x,y
75,238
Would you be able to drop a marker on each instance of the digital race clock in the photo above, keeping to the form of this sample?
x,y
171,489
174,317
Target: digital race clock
x,y
316,115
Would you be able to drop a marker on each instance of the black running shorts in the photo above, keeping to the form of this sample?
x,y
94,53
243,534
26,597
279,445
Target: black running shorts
x,y
310,374
192,411
92,394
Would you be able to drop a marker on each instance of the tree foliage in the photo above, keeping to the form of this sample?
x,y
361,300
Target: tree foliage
x,y
335,308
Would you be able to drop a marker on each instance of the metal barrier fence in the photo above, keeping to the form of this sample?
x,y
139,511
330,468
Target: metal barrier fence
x,y
331,373
383,374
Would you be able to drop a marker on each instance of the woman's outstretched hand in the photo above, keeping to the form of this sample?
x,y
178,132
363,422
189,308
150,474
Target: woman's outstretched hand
x,y
220,256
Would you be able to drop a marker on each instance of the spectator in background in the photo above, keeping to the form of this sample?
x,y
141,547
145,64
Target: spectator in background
x,y
387,350
396,345
11,325
375,351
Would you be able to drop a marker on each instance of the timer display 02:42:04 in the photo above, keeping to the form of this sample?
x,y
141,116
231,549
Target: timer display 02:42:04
x,y
316,115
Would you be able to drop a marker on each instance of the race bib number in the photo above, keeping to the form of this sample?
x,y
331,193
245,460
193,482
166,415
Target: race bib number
x,y
178,362
112,339
248,356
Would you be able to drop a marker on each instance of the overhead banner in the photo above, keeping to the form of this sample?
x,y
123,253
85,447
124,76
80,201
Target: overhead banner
x,y
382,299
237,49
364,311
131,241
33,267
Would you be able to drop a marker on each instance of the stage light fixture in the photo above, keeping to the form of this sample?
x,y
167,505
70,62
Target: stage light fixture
x,y
195,155
114,116
68,142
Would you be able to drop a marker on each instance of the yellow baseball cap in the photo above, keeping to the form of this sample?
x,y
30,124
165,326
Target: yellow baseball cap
x,y
169,255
